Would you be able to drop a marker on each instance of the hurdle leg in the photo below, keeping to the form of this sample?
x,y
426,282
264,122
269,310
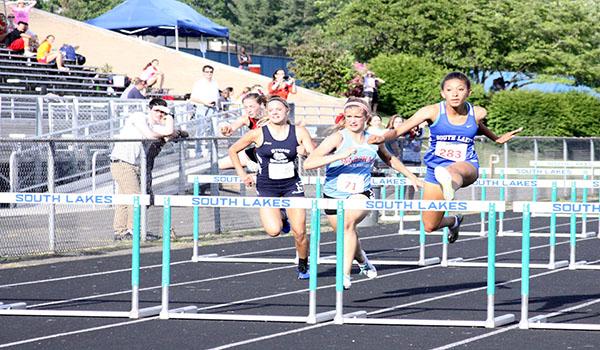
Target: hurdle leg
x,y
524,323
166,260
135,261
339,266
423,261
492,321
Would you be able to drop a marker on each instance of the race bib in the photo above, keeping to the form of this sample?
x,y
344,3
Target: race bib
x,y
279,171
451,151
350,183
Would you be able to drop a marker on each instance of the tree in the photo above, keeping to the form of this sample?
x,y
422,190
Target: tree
x,y
325,68
478,36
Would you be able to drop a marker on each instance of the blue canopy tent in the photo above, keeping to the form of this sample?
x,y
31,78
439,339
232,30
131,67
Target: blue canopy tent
x,y
159,17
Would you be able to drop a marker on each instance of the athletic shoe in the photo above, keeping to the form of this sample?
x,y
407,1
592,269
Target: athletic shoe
x,y
347,282
150,237
453,230
286,228
303,272
123,236
442,175
367,268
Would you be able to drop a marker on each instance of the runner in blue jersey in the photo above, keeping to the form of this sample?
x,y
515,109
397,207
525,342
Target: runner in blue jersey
x,y
451,160
276,149
349,161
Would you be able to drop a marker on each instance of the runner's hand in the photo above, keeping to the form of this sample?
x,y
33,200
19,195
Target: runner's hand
x,y
509,135
226,130
375,139
248,180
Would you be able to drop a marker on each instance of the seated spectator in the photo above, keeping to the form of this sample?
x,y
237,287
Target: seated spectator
x,y
151,74
69,53
46,55
282,85
6,25
20,9
135,90
19,41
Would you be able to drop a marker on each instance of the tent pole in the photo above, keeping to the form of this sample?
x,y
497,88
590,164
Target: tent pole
x,y
228,56
176,38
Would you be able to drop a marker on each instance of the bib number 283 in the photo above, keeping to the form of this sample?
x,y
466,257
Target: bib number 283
x,y
451,151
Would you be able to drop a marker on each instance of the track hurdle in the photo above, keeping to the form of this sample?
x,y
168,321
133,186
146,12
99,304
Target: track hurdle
x,y
422,260
540,322
241,202
571,208
491,321
51,199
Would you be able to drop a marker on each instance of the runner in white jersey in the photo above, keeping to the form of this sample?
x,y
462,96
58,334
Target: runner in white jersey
x,y
349,161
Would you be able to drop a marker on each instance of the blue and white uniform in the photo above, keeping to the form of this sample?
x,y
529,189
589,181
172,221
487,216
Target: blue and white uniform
x,y
449,143
278,173
351,175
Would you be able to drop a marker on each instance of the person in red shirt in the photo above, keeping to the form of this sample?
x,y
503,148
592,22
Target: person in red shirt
x,y
281,85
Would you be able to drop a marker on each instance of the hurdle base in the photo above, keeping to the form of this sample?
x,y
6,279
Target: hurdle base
x,y
577,264
566,326
584,266
459,262
321,317
239,317
500,321
497,321
197,258
64,313
429,261
145,312
13,306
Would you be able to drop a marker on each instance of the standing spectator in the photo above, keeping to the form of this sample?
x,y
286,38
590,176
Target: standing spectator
x,y
125,158
19,41
244,59
370,82
282,85
21,9
205,93
46,55
135,90
151,74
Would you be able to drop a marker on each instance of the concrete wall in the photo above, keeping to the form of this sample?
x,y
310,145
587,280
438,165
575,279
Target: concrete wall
x,y
128,55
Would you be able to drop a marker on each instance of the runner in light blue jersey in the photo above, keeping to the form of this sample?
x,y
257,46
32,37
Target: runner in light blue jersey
x,y
349,161
451,160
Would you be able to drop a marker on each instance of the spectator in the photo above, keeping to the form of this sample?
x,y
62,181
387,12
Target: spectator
x,y
135,90
281,85
152,74
20,10
19,41
46,55
7,25
125,158
205,93
407,148
244,59
375,126
370,82
225,98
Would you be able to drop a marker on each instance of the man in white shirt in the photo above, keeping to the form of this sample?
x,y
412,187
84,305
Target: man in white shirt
x,y
205,93
125,158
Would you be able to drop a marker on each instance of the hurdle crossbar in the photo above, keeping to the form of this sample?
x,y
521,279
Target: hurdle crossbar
x,y
21,308
539,322
491,321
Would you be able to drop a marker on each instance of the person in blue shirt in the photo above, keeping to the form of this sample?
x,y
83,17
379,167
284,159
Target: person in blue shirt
x,y
451,160
349,161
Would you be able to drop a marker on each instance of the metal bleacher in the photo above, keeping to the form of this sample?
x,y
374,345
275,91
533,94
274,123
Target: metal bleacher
x,y
24,75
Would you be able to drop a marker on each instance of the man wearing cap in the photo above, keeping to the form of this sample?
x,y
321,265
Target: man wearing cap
x,y
125,157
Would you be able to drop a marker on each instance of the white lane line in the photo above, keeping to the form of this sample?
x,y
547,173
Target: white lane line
x,y
86,330
502,330
96,296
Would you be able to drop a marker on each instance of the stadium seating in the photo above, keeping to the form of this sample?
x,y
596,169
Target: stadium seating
x,y
23,75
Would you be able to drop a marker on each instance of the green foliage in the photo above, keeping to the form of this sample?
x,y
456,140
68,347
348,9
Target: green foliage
x,y
545,114
478,36
78,9
325,68
410,83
